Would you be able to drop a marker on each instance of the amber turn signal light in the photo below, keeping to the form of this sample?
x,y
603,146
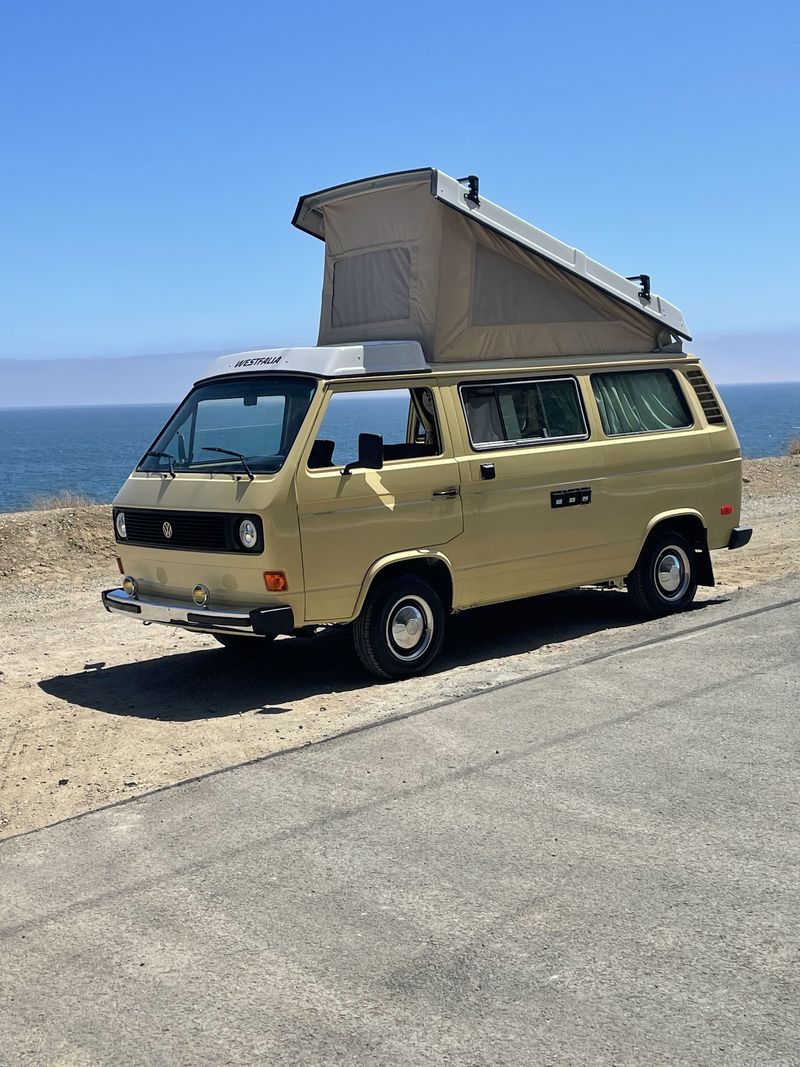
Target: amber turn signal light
x,y
275,581
119,564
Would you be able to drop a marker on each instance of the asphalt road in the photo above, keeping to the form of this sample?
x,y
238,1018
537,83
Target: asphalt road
x,y
594,865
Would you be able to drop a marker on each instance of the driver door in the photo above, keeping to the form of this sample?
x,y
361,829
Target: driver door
x,y
348,522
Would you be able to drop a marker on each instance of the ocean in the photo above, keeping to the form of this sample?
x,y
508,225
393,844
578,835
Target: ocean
x,y
91,450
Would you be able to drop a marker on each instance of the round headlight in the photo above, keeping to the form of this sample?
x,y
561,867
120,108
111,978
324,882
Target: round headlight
x,y
248,534
120,524
200,596
130,585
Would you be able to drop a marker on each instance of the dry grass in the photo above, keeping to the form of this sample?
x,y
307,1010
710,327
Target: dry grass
x,y
794,447
65,499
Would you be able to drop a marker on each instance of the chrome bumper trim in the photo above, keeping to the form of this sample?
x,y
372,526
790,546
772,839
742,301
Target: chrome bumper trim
x,y
262,621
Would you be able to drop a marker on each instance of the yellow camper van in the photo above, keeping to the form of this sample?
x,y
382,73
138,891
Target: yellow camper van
x,y
488,415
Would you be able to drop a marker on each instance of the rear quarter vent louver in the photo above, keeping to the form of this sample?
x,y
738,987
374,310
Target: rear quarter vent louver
x,y
705,395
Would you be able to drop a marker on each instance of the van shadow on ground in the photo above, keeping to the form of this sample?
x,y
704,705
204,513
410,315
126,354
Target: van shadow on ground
x,y
269,679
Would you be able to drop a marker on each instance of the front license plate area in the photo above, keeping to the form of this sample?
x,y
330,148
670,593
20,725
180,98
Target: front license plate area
x,y
158,613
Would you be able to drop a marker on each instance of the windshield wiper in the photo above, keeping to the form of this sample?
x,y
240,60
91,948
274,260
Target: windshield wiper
x,y
164,455
238,455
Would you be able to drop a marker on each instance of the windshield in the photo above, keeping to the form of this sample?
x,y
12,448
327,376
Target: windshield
x,y
253,420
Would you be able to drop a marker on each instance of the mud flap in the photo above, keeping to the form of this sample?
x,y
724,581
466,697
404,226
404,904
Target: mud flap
x,y
705,568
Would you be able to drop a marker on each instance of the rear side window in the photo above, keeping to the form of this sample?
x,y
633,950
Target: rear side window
x,y
640,401
519,413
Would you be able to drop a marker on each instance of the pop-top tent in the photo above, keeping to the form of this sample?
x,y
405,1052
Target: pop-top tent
x,y
421,256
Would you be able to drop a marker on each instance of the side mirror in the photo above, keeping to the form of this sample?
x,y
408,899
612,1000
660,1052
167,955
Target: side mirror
x,y
370,453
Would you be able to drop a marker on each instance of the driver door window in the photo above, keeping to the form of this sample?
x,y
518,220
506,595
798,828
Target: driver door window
x,y
404,418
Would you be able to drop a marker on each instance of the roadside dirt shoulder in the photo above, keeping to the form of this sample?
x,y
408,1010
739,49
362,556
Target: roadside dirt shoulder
x,y
94,709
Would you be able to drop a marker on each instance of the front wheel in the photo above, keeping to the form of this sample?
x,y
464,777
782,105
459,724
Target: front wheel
x,y
664,579
401,628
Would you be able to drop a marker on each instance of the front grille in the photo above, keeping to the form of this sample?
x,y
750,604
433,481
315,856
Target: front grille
x,y
202,531
705,395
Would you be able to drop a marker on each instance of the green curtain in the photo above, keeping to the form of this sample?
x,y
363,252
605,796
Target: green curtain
x,y
640,402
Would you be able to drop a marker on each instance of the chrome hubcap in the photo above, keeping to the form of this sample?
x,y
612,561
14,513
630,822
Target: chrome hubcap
x,y
672,571
409,628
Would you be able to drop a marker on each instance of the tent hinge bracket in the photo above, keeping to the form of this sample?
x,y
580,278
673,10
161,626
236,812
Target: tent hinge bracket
x,y
471,195
644,282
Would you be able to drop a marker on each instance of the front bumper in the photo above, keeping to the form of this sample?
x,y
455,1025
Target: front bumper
x,y
259,621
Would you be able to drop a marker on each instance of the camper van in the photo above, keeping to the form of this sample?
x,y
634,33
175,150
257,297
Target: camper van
x,y
488,415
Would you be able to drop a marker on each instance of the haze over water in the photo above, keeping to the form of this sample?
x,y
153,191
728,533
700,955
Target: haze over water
x,y
91,450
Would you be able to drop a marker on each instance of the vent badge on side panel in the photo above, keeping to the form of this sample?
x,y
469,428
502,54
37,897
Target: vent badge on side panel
x,y
567,498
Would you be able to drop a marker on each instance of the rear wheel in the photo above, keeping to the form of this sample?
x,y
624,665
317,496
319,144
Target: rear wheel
x,y
401,628
664,579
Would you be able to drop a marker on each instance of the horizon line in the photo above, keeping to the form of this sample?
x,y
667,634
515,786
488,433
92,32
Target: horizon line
x,y
167,403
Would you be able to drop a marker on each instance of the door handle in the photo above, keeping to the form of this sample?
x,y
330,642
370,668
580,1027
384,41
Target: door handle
x,y
452,491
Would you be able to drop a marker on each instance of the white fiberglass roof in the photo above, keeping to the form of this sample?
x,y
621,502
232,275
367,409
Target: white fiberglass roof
x,y
328,361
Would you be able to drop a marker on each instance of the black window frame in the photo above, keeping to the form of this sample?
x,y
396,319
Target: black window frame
x,y
676,378
527,442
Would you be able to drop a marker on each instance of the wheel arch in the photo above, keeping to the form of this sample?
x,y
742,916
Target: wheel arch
x,y
430,564
691,524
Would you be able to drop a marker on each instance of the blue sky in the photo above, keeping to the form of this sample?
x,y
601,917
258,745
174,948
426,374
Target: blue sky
x,y
153,153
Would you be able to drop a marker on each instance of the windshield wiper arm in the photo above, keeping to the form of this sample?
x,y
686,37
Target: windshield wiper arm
x,y
164,455
238,455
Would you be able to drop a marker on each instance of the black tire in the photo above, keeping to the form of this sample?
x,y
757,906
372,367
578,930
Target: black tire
x,y
664,579
400,630
240,643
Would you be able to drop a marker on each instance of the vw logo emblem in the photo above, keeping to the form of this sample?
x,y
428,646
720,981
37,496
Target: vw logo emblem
x,y
167,528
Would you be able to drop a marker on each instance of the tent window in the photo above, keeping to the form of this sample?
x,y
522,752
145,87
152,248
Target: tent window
x,y
520,413
507,293
644,401
371,287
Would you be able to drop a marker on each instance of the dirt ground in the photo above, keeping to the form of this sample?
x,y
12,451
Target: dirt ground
x,y
94,709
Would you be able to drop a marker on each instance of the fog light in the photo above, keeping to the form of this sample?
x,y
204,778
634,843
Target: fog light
x,y
200,596
119,522
130,585
248,534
